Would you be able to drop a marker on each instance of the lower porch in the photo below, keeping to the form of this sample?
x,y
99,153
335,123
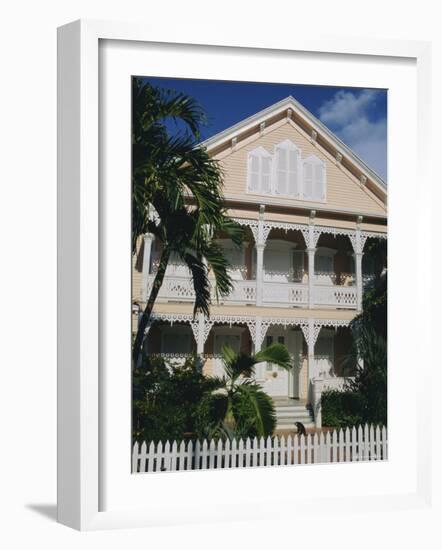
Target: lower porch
x,y
319,354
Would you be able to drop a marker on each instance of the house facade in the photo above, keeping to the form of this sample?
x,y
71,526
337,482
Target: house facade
x,y
308,205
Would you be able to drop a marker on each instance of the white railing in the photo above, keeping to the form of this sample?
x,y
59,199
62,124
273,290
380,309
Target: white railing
x,y
355,445
173,358
177,288
181,289
244,292
335,296
284,293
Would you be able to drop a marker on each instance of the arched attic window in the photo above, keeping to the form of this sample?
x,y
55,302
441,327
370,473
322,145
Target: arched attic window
x,y
314,187
259,173
286,169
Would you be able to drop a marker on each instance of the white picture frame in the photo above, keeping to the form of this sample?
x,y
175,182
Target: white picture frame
x,y
81,445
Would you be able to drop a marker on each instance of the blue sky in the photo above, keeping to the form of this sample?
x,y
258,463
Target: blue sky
x,y
358,116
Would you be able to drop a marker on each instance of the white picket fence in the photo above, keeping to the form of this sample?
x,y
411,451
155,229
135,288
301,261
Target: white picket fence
x,y
355,445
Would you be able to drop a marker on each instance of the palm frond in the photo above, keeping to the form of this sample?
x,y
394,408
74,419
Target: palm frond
x,y
233,230
277,354
252,403
152,105
219,265
237,364
200,282
210,415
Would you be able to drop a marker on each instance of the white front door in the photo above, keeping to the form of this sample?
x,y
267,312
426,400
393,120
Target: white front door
x,y
325,354
222,339
277,381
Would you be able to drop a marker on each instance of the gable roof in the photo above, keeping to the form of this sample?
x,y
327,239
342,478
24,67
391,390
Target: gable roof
x,y
304,118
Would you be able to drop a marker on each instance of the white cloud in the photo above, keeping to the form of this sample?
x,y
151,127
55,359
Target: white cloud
x,y
349,116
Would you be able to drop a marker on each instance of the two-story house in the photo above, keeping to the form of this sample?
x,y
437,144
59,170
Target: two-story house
x,y
308,205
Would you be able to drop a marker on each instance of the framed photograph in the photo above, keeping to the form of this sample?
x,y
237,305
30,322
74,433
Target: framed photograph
x,y
224,313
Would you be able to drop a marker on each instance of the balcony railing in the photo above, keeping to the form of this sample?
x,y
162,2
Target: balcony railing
x,y
284,294
273,293
335,296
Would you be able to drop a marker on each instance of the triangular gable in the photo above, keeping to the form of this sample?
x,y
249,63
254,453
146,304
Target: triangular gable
x,y
313,129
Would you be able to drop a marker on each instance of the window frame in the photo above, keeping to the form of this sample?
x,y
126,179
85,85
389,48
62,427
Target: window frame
x,y
287,144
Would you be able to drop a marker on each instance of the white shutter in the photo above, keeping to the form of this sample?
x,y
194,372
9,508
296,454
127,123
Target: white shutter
x,y
266,174
318,181
281,171
308,180
286,169
259,175
254,172
298,265
293,188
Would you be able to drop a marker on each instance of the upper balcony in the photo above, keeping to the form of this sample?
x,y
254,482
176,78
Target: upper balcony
x,y
283,280
180,289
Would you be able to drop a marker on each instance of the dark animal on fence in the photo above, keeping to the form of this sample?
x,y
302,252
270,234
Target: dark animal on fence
x,y
301,428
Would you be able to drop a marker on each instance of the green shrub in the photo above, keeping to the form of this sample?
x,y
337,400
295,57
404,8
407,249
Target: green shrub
x,y
341,408
166,398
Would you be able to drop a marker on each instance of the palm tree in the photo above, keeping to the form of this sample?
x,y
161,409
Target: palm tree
x,y
177,195
239,407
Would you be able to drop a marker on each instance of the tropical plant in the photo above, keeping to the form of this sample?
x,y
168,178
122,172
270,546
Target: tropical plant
x,y
341,409
364,398
370,379
177,195
165,398
238,406
374,310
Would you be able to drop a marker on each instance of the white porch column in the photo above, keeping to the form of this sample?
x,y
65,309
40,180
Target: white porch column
x,y
317,387
260,240
359,287
257,342
311,349
259,272
200,327
311,277
311,250
200,340
148,240
358,242
258,334
310,331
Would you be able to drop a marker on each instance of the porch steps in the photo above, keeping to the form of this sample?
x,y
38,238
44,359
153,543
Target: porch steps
x,y
289,411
